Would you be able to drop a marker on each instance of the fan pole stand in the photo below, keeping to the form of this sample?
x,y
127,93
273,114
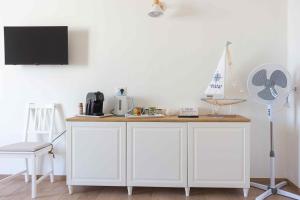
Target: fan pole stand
x,y
273,188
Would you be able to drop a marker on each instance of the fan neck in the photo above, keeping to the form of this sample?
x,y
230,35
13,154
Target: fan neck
x,y
270,113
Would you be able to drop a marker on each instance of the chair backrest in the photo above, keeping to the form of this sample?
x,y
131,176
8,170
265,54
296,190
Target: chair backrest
x,y
40,120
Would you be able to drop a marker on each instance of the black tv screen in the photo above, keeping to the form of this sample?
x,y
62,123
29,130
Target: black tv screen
x,y
43,45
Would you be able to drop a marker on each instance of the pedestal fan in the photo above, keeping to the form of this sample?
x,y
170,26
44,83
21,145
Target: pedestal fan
x,y
270,85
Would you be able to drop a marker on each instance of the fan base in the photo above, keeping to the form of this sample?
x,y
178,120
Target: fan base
x,y
273,191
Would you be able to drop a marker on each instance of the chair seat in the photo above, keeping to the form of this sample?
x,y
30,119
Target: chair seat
x,y
24,147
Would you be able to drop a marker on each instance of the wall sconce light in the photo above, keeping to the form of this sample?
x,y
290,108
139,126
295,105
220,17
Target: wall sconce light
x,y
157,9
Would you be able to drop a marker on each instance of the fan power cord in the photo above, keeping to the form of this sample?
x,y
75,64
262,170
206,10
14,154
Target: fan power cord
x,y
57,137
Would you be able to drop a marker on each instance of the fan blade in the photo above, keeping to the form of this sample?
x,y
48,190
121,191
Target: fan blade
x,y
260,78
279,78
266,94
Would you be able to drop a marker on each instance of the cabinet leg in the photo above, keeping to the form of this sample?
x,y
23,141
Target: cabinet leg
x,y
187,191
246,191
70,188
129,189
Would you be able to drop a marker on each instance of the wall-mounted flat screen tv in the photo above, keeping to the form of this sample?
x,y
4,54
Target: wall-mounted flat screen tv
x,y
36,45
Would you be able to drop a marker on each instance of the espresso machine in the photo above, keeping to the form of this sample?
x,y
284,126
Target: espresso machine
x,y
94,104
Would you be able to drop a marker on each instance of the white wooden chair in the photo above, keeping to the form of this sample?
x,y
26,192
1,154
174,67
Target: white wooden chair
x,y
40,121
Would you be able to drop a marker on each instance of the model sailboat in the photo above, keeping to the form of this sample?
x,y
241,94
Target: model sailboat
x,y
216,90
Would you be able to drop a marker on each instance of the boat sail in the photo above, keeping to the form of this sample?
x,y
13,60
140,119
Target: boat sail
x,y
215,92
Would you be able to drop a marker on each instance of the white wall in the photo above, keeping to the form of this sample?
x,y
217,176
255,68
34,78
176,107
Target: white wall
x,y
293,167
165,62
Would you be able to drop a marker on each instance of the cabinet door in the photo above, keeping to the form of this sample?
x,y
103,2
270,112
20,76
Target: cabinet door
x,y
218,155
98,154
157,154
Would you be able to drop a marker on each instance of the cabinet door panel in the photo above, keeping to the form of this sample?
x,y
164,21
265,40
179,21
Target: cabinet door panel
x,y
157,154
98,154
218,155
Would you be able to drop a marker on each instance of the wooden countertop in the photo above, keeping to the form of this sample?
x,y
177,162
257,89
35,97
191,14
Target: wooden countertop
x,y
202,118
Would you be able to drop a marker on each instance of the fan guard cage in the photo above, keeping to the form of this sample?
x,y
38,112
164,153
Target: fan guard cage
x,y
281,92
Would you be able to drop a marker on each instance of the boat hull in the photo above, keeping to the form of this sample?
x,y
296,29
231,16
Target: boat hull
x,y
223,102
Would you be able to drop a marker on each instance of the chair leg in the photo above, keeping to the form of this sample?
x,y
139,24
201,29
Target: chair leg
x,y
51,168
26,173
33,179
70,188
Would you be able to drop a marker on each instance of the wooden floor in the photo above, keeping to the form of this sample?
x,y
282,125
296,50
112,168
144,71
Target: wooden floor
x,y
18,190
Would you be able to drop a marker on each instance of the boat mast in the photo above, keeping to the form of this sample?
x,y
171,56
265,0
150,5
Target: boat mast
x,y
228,63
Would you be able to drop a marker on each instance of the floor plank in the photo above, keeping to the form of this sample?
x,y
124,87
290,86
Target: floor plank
x,y
18,190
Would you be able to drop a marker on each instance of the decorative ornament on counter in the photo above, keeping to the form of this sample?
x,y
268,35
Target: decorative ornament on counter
x,y
215,94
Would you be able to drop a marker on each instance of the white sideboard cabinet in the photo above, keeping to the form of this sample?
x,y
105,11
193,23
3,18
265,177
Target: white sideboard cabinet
x,y
219,155
96,154
164,152
156,154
